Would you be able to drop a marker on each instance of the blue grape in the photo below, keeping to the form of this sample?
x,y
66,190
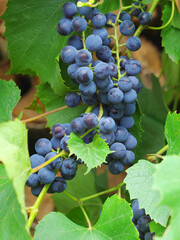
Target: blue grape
x,y
115,167
106,89
142,223
89,100
89,89
137,212
72,70
46,176
127,122
78,126
102,83
90,120
127,28
123,62
75,41
58,185
148,236
85,11
109,137
133,67
134,81
32,180
129,158
111,18
131,142
102,70
138,88
130,96
121,134
58,130
36,190
68,129
56,143
106,124
68,54
95,63
36,160
103,53
54,164
116,113
125,84
69,168
115,95
144,18
113,69
136,11
107,41
119,150
84,75
64,143
93,42
129,109
43,146
79,161
72,99
104,98
79,24
69,9
124,16
119,105
64,27
99,20
91,15
133,43
101,32
111,60
83,57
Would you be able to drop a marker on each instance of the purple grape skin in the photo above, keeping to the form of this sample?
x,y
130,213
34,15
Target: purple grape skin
x,y
109,137
133,67
58,185
124,16
36,190
103,53
110,17
121,134
113,69
144,18
79,24
84,75
133,43
68,54
101,32
64,27
127,28
115,95
85,11
125,84
43,146
32,180
106,124
75,41
78,126
127,122
46,176
64,143
56,143
115,167
119,150
89,89
90,120
72,99
130,96
131,142
129,158
72,68
69,9
89,100
69,168
83,57
54,164
99,20
93,42
102,70
58,130
36,160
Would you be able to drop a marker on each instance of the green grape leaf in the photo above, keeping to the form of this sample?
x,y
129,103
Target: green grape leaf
x,y
170,36
139,184
76,215
93,154
156,228
153,107
10,95
176,19
81,186
147,1
68,82
33,42
114,223
52,101
14,155
106,7
172,132
12,221
167,181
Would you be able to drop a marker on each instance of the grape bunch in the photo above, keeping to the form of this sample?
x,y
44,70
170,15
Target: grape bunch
x,y
141,220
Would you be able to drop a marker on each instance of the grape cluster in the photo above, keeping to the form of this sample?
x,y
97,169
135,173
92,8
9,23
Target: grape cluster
x,y
141,220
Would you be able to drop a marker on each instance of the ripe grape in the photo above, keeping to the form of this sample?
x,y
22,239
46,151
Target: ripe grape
x,y
119,150
106,124
58,130
127,122
83,57
144,18
79,24
90,120
78,126
54,164
69,9
46,176
84,75
133,43
99,20
75,41
68,54
103,53
115,167
101,32
127,28
64,27
43,146
93,42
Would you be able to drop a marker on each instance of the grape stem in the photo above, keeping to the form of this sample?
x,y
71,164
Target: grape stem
x,y
153,157
86,216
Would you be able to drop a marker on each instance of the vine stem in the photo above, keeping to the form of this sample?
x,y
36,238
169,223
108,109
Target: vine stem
x,y
153,157
86,216
44,114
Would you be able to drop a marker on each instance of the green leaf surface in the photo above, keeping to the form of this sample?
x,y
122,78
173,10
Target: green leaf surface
x,y
176,19
52,101
14,155
76,215
172,132
156,228
114,223
33,42
139,184
81,186
9,97
153,107
170,36
167,181
106,7
93,154
12,221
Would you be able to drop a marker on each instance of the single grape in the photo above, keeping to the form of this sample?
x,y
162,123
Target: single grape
x,y
131,142
93,42
43,146
99,20
108,88
68,129
127,122
115,167
113,69
121,134
46,176
88,138
107,41
133,67
58,185
64,27
148,236
127,28
133,43
85,11
72,70
56,143
119,150
72,99
111,60
89,89
69,9
102,70
110,18
119,105
144,18
64,143
137,11
106,124
142,223
36,190
134,81
78,126
125,84
58,130
115,95
84,75
54,164
124,16
104,98
137,212
102,83
129,158
103,53
130,96
101,32
109,137
129,109
89,100
69,168
75,41
138,88
91,15
83,58
90,120
79,24
123,61
36,160
95,63
116,113
32,180
68,54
